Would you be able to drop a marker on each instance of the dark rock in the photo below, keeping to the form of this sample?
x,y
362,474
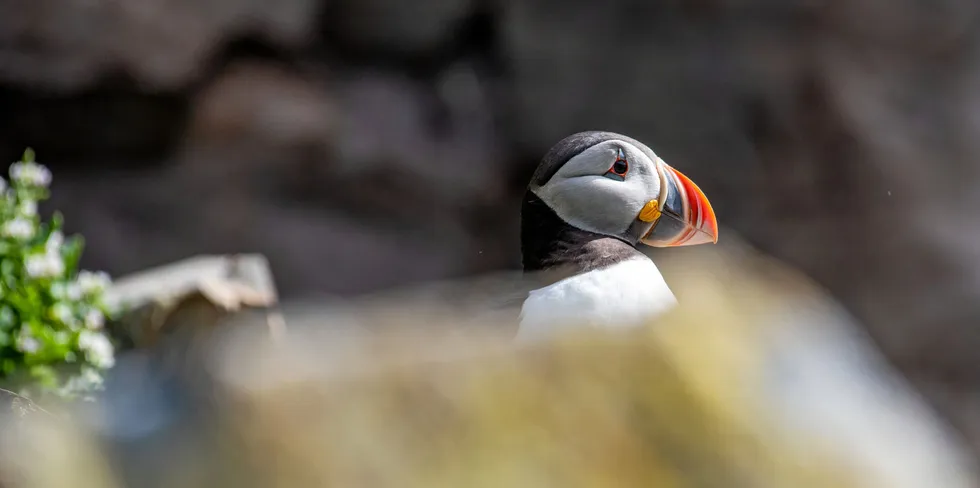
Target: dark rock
x,y
391,26
68,45
109,127
437,142
262,103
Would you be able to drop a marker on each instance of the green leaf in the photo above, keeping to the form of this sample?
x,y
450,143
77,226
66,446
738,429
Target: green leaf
x,y
28,156
34,299
45,375
71,252
57,220
8,319
8,268
43,231
9,366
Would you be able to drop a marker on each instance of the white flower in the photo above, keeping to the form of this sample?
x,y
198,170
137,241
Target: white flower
x,y
54,242
44,265
66,291
7,317
28,208
26,343
63,313
30,173
94,319
87,381
90,282
74,291
18,228
62,337
59,290
3,184
98,349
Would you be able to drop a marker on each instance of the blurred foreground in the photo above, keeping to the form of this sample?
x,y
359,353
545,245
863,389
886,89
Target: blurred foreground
x,y
757,380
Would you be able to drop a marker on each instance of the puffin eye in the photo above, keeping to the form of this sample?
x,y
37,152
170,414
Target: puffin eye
x,y
619,167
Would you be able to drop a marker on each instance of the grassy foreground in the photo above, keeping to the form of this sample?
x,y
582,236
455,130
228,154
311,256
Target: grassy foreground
x,y
734,389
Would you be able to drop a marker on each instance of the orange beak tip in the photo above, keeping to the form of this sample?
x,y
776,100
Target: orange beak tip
x,y
701,216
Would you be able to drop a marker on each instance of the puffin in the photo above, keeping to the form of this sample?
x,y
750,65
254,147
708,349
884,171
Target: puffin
x,y
594,199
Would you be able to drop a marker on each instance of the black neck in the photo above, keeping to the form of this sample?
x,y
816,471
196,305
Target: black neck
x,y
548,243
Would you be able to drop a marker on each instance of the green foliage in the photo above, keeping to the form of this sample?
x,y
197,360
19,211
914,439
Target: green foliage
x,y
52,340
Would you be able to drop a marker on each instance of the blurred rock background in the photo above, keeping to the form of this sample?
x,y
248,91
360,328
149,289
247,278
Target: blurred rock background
x,y
366,144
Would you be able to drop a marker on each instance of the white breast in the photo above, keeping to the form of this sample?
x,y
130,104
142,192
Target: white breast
x,y
622,295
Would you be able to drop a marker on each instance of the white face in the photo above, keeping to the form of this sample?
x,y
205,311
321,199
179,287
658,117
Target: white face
x,y
589,192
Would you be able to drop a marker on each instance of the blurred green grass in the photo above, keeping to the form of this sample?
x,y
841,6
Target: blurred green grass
x,y
684,402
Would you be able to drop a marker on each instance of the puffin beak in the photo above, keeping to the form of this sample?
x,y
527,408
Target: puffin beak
x,y
682,216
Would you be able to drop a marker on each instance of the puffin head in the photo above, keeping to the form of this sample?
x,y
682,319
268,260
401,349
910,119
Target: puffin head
x,y
612,185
